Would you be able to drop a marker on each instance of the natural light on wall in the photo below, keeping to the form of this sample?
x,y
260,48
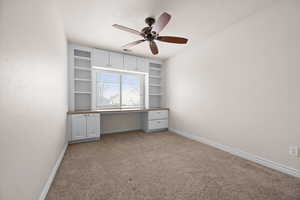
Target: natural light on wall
x,y
114,89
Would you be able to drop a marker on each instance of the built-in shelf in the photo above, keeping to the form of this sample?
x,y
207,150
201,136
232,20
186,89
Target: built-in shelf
x,y
155,90
154,85
155,69
83,79
152,76
83,68
82,92
82,58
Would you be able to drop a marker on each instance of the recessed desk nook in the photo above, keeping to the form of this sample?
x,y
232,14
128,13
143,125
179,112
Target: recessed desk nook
x,y
113,92
86,125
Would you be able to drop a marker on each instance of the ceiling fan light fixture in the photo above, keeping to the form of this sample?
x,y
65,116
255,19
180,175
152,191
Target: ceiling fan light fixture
x,y
151,32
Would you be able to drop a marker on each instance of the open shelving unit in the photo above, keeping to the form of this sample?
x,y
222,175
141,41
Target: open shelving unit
x,y
81,59
154,76
81,79
82,68
155,89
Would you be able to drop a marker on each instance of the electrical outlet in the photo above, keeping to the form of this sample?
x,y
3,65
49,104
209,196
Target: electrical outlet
x,y
294,151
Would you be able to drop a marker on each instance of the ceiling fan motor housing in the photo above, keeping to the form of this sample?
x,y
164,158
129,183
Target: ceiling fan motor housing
x,y
149,35
150,21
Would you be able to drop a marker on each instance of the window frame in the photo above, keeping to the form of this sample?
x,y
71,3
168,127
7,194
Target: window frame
x,y
145,87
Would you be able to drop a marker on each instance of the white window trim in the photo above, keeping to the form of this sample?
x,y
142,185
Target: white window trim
x,y
94,85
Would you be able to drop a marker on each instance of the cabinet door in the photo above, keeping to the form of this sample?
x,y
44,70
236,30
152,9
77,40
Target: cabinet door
x,y
142,65
78,127
100,58
130,62
93,125
116,60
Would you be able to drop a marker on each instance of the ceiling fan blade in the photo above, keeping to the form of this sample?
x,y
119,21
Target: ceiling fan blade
x,y
131,44
171,39
153,48
162,21
130,30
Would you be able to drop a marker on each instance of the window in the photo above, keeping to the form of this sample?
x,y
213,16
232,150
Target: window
x,y
119,89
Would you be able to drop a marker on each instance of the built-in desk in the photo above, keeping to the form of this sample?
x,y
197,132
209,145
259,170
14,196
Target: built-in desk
x,y
84,125
123,110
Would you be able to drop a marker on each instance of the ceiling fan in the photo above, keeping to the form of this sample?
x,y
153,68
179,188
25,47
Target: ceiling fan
x,y
151,33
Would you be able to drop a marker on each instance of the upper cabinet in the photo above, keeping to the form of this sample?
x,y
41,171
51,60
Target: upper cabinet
x,y
100,58
81,61
142,65
130,62
103,58
116,60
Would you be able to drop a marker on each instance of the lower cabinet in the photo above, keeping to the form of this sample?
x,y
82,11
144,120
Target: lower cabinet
x,y
157,120
158,124
78,130
85,126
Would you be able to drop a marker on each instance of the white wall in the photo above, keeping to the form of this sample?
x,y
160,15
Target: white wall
x,y
33,96
241,87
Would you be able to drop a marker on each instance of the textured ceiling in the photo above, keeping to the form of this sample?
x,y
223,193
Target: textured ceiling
x,y
89,22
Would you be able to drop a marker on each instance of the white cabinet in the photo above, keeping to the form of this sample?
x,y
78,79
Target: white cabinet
x,y
157,120
116,60
103,58
92,125
100,58
78,127
142,65
130,62
158,114
85,126
158,124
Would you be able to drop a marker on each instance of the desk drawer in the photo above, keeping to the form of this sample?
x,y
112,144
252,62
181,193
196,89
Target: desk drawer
x,y
157,114
158,124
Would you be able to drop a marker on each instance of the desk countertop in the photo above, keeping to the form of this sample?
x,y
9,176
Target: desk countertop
x,y
108,111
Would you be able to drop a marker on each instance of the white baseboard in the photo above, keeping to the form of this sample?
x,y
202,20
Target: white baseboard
x,y
120,130
52,174
245,155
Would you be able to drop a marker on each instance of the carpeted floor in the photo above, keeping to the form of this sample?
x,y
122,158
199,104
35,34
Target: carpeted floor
x,y
163,166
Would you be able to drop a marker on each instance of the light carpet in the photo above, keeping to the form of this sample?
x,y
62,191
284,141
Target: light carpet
x,y
164,166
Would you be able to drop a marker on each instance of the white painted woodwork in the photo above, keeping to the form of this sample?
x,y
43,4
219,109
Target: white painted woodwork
x,y
158,124
81,63
116,60
130,62
157,120
100,58
158,114
92,125
78,127
85,126
142,65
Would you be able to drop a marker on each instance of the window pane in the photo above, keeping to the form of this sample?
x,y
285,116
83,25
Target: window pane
x,y
108,77
115,88
131,91
108,90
